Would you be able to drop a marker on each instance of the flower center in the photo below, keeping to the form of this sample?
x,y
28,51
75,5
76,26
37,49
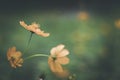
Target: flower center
x,y
54,58
12,59
32,32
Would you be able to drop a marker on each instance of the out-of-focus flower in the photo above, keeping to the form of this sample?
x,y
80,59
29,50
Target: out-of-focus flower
x,y
14,57
35,28
83,16
57,58
117,23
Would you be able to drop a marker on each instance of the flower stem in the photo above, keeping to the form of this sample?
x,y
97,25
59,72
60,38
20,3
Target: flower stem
x,y
36,55
29,39
27,47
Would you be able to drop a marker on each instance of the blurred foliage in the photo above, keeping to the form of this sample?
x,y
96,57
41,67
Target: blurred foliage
x,y
93,42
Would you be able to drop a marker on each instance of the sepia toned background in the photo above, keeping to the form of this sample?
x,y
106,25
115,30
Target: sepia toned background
x,y
89,29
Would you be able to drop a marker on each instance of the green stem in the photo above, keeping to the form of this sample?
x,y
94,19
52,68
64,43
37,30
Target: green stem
x,y
36,55
27,47
29,39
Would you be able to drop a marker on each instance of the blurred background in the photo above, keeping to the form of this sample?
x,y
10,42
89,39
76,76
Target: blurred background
x,y
89,29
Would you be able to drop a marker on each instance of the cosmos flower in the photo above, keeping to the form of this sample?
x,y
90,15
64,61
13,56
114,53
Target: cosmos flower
x,y
34,28
14,57
57,58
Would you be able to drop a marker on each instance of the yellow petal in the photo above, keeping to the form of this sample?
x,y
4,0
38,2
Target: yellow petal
x,y
8,54
11,52
58,67
35,25
41,33
23,24
55,67
17,54
51,64
13,49
63,60
19,63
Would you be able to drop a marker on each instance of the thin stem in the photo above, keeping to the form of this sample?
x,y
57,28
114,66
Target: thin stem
x,y
29,39
36,55
28,42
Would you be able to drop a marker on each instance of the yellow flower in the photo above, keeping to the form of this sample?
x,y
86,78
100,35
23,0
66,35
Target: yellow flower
x,y
34,28
58,57
14,57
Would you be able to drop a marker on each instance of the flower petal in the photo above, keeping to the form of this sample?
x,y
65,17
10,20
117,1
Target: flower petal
x,y
17,54
23,24
41,33
58,67
19,62
11,52
35,25
63,53
55,50
55,67
59,47
13,49
51,64
63,60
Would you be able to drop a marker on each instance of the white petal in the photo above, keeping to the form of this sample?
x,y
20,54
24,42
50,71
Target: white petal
x,y
60,47
63,53
53,51
56,50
